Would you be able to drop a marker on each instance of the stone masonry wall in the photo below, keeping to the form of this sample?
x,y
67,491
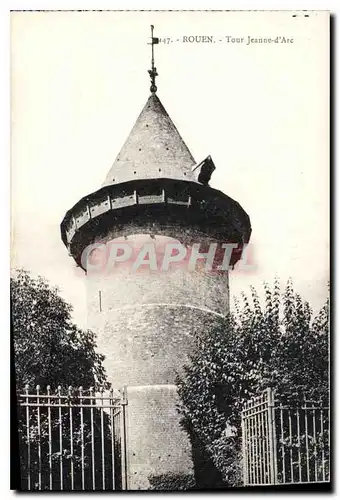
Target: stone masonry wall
x,y
146,324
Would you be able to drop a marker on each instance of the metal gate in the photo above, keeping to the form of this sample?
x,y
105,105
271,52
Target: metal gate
x,y
72,439
284,441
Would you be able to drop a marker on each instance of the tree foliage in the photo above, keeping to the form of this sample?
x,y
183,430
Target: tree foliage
x,y
49,349
278,345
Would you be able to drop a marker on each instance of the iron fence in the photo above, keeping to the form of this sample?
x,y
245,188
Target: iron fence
x,y
285,440
72,439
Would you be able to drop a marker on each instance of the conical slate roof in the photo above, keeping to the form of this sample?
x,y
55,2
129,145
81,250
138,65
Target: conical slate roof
x,y
154,149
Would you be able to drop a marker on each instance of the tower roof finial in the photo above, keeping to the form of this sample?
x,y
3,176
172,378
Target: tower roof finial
x,y
153,71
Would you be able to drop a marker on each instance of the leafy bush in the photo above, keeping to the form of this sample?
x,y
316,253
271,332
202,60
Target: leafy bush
x,y
172,482
279,345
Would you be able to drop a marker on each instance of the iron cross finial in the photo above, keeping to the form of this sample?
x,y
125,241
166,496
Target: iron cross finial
x,y
153,71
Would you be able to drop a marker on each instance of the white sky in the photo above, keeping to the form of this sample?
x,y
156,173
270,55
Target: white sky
x,y
79,81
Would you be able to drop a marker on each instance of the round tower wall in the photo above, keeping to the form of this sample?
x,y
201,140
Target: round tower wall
x,y
146,322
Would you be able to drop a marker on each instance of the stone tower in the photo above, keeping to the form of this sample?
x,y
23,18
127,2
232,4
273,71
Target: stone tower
x,y
146,318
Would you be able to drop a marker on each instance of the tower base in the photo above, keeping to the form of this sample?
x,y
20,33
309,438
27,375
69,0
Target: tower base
x,y
159,453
